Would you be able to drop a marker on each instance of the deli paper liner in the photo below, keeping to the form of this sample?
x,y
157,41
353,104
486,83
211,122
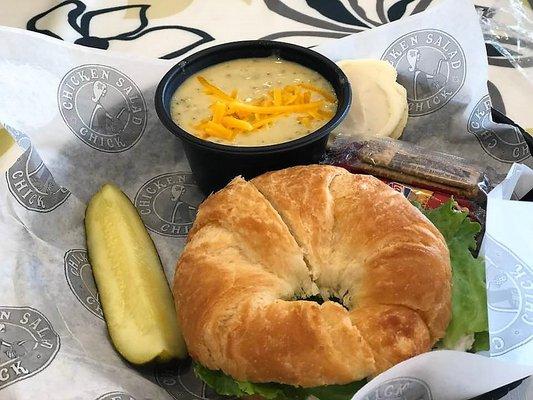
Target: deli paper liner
x,y
509,267
53,339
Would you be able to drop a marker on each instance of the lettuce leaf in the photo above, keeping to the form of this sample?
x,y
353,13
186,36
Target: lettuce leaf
x,y
336,392
469,296
225,385
481,341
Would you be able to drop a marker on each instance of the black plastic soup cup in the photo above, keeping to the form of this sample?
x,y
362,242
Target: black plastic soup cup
x,y
214,164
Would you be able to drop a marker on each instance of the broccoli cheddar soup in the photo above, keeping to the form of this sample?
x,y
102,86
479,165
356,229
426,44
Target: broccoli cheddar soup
x,y
253,102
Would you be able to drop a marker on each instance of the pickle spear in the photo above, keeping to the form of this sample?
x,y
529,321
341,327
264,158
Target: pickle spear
x,y
136,299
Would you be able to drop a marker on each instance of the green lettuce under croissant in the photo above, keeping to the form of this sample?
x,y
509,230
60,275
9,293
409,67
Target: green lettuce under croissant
x,y
469,320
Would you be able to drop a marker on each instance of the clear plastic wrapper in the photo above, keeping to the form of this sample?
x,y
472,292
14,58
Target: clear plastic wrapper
x,y
508,26
427,177
409,163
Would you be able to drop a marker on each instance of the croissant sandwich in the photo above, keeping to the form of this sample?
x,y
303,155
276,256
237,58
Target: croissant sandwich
x,y
311,280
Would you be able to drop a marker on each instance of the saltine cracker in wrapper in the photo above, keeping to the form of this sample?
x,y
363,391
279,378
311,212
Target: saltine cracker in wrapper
x,y
56,99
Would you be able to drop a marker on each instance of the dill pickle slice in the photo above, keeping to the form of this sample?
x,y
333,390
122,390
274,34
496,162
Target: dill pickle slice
x,y
136,299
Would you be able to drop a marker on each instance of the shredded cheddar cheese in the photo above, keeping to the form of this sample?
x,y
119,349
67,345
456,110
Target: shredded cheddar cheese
x,y
322,92
230,116
304,107
213,90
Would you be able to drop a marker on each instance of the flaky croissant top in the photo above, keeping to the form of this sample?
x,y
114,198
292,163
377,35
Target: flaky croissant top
x,y
258,248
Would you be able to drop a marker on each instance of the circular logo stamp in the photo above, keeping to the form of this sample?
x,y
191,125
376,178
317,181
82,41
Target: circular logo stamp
x,y
116,396
504,144
181,383
80,279
28,343
510,290
102,107
32,184
431,66
401,389
168,203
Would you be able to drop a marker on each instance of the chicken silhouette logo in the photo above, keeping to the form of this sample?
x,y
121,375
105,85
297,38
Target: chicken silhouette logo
x,y
431,67
102,107
181,383
32,184
510,298
401,389
116,396
504,145
168,203
79,275
28,343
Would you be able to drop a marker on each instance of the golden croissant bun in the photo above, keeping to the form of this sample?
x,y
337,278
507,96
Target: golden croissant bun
x,y
257,248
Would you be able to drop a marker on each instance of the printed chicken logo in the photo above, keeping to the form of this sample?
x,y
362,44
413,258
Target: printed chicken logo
x,y
28,343
431,66
510,298
32,184
168,203
102,107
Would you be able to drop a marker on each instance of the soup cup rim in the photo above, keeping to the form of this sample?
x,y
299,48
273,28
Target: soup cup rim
x,y
186,67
